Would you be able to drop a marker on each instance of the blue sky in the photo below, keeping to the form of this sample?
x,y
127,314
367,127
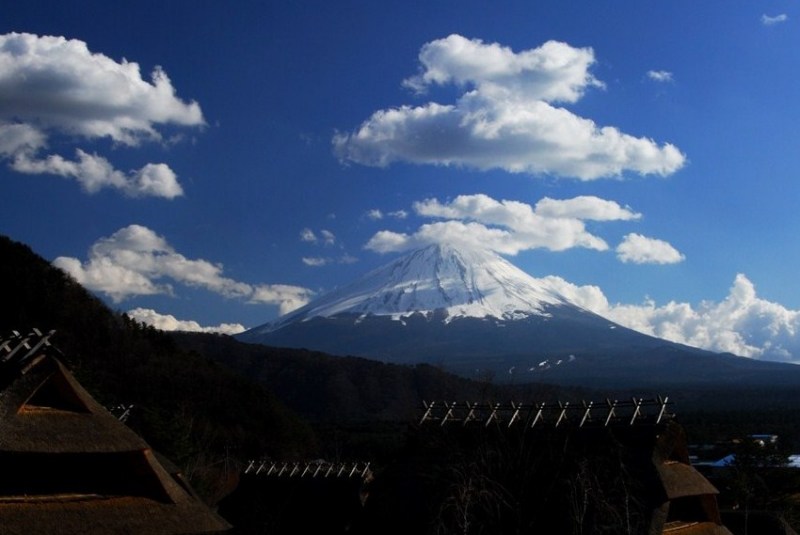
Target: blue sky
x,y
222,162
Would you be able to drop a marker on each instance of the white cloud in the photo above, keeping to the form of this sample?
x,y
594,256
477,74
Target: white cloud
x,y
742,323
506,227
589,297
168,322
19,138
660,76
640,249
315,261
376,214
386,241
505,118
59,84
328,238
307,235
51,85
94,173
286,297
136,261
767,20
554,72
398,214
103,275
471,235
585,207
319,261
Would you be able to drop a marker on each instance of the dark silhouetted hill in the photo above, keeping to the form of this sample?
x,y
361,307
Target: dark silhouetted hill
x,y
195,411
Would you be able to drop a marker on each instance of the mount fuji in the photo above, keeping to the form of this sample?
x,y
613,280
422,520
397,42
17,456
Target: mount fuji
x,y
475,314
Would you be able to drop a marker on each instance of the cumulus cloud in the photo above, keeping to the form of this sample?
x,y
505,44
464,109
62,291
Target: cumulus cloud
x,y
285,296
136,261
94,173
767,20
505,118
58,83
640,249
585,207
660,76
56,86
742,323
168,322
19,139
505,226
471,235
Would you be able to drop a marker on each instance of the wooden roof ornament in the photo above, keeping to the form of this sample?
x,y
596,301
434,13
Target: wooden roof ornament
x,y
70,466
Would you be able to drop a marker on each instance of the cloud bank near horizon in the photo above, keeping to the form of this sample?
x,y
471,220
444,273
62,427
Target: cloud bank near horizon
x,y
53,87
168,322
742,323
135,261
507,117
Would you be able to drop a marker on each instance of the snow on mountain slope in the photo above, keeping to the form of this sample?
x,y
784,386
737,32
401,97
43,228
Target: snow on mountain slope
x,y
462,282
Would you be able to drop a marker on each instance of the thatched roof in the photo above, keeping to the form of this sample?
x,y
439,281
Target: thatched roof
x,y
681,480
69,466
115,514
45,410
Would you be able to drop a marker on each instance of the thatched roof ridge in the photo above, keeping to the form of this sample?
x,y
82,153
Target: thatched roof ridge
x,y
82,426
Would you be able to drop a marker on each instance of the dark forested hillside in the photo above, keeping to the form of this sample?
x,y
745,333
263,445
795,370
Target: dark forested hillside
x,y
193,410
352,389
359,407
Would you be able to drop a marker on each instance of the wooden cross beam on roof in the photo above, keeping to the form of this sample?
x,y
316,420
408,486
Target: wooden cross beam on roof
x,y
310,469
634,411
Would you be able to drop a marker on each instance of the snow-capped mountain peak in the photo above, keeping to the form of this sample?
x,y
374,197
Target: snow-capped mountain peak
x,y
460,282
477,315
